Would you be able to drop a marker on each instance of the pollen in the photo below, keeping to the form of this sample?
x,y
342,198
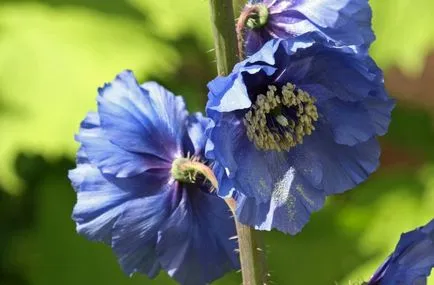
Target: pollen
x,y
280,120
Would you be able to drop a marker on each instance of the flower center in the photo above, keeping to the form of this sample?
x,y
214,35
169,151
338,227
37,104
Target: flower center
x,y
186,170
279,120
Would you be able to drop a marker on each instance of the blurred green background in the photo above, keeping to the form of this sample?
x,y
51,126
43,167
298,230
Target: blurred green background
x,y
55,53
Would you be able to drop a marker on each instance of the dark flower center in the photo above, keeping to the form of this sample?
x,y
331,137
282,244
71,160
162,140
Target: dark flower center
x,y
279,120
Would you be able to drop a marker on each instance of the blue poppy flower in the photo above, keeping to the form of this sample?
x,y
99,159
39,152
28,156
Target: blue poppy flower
x,y
347,22
127,195
412,260
293,123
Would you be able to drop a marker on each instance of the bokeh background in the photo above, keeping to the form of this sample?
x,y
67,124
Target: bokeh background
x,y
55,53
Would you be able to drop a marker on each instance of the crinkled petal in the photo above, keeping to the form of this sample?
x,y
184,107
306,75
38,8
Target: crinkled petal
x,y
110,158
81,156
350,122
171,110
257,172
326,164
255,40
355,122
230,93
99,203
310,60
135,232
345,21
342,166
346,74
142,119
228,132
380,113
195,139
194,244
289,209
226,187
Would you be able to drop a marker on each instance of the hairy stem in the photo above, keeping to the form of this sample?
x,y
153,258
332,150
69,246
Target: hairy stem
x,y
252,256
225,40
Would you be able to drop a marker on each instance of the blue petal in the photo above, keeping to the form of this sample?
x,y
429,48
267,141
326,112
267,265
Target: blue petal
x,y
195,139
142,119
81,156
350,122
342,167
289,209
265,57
310,60
135,232
171,111
230,93
255,173
255,40
194,245
226,187
355,122
110,158
412,260
227,134
324,163
347,22
348,75
99,203
380,113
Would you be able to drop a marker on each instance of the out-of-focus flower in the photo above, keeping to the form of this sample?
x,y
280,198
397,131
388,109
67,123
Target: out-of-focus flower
x,y
347,22
411,262
140,189
293,123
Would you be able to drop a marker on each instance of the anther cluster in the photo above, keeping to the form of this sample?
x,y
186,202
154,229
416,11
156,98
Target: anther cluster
x,y
280,121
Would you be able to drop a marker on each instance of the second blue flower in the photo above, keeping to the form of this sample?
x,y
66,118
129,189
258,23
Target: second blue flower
x,y
293,123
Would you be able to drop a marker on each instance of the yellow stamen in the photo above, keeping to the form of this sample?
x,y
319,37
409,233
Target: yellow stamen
x,y
288,132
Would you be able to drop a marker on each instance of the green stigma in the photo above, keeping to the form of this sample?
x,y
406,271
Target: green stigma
x,y
257,17
186,170
279,121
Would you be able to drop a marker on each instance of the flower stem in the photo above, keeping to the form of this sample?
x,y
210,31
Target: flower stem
x,y
225,40
252,255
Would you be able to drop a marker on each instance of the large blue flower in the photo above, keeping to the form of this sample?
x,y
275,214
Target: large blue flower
x,y
127,197
347,22
293,123
411,262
